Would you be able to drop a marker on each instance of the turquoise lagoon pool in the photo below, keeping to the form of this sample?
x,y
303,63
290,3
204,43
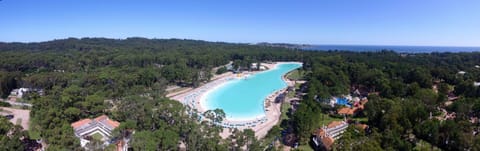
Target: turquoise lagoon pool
x,y
243,99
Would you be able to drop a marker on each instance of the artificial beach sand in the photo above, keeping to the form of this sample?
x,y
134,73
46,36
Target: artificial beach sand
x,y
272,111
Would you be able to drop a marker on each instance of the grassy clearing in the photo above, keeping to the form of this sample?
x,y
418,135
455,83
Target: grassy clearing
x,y
297,86
305,147
285,107
325,119
361,119
291,94
296,75
97,136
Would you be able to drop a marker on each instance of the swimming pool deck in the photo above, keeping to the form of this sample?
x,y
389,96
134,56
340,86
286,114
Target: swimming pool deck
x,y
260,125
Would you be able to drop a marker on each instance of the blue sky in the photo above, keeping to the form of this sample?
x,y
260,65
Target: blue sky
x,y
367,22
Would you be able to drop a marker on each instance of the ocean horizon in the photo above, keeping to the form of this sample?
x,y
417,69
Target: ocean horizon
x,y
399,49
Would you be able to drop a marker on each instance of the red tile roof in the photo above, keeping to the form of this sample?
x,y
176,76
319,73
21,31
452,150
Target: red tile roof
x,y
351,111
345,110
327,142
362,126
334,124
103,119
113,123
80,123
107,121
320,132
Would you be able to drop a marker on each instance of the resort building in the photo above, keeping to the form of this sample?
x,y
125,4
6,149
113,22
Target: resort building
x,y
19,93
99,128
229,67
361,126
257,67
324,137
358,106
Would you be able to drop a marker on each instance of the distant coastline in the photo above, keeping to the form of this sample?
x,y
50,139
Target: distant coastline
x,y
399,49
374,48
285,45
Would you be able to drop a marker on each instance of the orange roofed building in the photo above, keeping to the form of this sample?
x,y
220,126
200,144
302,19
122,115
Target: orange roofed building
x,y
358,106
103,126
324,137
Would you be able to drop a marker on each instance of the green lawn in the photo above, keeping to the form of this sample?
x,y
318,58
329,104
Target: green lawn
x,y
291,94
297,86
361,119
325,119
285,107
305,147
97,136
295,75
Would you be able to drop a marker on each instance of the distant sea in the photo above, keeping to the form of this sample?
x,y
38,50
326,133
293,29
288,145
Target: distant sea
x,y
399,49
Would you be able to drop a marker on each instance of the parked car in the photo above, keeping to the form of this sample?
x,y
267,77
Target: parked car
x,y
9,116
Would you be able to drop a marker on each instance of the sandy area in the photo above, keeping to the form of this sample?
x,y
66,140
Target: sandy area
x,y
24,115
261,126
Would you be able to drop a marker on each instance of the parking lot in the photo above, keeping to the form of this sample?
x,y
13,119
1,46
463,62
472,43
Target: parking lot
x,y
20,116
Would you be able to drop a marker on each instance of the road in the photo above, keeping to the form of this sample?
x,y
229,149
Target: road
x,y
17,103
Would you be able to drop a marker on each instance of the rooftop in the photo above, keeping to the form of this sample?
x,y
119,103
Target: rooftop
x,y
362,126
80,123
104,120
335,124
345,110
320,132
327,142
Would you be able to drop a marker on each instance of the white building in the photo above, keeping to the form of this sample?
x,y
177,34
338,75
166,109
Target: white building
x,y
103,126
254,66
326,135
21,92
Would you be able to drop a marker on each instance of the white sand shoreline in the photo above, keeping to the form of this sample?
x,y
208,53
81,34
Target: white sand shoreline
x,y
203,100
260,124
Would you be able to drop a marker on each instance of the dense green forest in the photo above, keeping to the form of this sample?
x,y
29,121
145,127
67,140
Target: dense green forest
x,y
126,79
399,110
